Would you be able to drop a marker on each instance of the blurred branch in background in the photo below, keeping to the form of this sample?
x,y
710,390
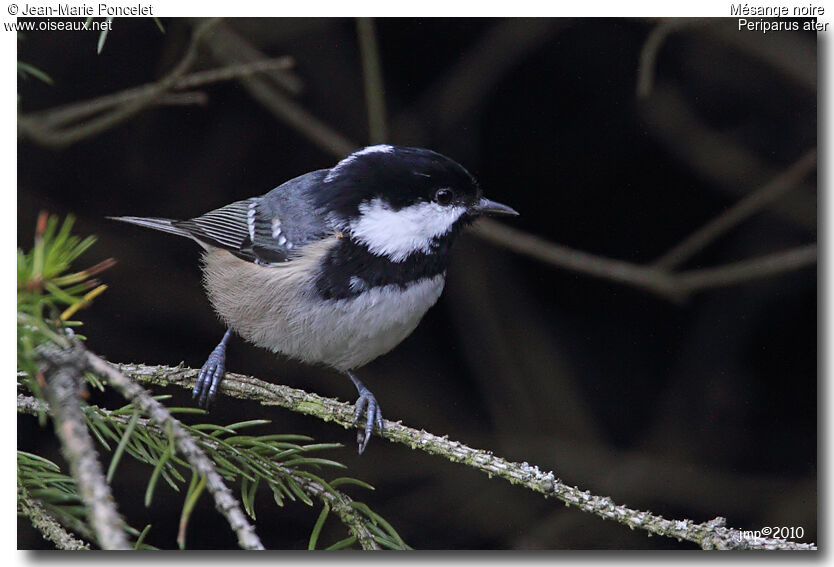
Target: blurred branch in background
x,y
672,285
463,89
709,535
58,117
658,277
793,56
716,157
98,124
374,85
762,197
229,47
648,55
709,152
53,127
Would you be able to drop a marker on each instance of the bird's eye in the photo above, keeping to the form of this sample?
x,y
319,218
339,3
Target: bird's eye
x,y
444,196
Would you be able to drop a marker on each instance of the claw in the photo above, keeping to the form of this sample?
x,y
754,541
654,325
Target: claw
x,y
211,374
366,405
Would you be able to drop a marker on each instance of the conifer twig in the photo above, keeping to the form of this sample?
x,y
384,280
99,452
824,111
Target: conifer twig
x,y
224,501
62,369
708,535
49,528
339,502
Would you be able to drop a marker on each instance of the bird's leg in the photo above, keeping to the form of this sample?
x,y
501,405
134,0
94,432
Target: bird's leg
x,y
211,373
367,405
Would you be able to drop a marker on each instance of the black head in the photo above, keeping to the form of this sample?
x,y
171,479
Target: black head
x,y
400,209
400,177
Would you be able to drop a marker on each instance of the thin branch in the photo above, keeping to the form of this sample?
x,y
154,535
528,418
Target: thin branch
x,y
49,528
224,501
793,55
64,381
471,78
281,106
572,259
746,270
196,98
718,157
63,115
648,55
230,72
372,75
672,285
708,535
231,48
742,210
103,122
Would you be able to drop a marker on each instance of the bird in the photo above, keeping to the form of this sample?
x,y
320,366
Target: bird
x,y
334,267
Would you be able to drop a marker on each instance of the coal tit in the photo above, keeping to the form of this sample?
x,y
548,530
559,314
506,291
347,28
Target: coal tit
x,y
336,266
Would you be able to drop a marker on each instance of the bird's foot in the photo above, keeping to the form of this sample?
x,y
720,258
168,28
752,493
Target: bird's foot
x,y
366,405
205,390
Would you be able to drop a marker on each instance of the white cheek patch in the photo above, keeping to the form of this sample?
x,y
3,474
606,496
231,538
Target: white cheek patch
x,y
398,234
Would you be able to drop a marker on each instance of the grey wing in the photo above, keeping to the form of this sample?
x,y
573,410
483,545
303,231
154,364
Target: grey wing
x,y
286,219
266,230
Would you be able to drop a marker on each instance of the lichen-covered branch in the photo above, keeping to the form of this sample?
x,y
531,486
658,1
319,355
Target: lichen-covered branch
x,y
224,501
708,535
49,528
62,370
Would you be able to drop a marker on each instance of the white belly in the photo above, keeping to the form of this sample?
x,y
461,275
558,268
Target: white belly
x,y
273,308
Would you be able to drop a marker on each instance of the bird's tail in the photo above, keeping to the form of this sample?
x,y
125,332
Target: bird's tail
x,y
165,225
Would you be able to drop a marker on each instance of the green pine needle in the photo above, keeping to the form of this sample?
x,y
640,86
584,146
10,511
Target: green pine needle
x,y
314,536
117,456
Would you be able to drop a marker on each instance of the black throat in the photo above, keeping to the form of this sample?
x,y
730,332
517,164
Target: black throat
x,y
350,268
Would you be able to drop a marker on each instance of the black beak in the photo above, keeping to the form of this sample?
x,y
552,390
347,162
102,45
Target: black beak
x,y
491,208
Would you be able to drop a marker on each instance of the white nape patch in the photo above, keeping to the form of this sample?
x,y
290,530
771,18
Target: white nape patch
x,y
398,234
357,284
378,149
276,227
250,220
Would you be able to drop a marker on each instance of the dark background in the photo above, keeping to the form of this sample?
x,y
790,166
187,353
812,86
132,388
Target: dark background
x,y
695,409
